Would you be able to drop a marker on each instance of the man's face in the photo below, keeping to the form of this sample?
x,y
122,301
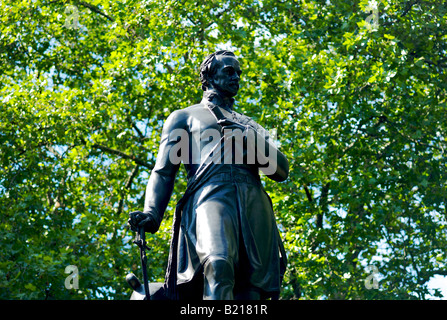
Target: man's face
x,y
227,75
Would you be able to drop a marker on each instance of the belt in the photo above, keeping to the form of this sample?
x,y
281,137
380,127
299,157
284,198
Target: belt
x,y
235,175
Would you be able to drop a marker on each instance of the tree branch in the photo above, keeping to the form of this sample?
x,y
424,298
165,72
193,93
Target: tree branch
x,y
308,194
135,159
140,134
323,204
123,155
127,186
394,126
410,5
133,174
425,276
95,9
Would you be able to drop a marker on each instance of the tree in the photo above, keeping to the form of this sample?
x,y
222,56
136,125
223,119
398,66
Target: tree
x,y
355,90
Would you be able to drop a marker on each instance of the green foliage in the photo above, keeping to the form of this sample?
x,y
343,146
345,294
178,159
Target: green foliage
x,y
360,112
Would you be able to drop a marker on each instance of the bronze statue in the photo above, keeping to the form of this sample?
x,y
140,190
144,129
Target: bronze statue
x,y
225,244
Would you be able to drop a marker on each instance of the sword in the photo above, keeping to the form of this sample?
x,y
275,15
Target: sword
x,y
140,241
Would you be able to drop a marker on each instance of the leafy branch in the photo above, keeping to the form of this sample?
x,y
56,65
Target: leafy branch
x,y
116,152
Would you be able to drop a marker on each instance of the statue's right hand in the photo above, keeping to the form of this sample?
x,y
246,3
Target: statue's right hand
x,y
139,219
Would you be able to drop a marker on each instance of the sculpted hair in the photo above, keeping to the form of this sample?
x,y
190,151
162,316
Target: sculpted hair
x,y
208,67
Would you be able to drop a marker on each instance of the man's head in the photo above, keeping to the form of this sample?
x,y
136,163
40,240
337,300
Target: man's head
x,y
221,71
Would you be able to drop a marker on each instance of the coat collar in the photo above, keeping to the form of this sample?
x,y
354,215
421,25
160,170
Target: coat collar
x,y
213,97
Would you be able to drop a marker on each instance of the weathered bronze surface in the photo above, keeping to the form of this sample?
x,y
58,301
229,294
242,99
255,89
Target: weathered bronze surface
x,y
225,243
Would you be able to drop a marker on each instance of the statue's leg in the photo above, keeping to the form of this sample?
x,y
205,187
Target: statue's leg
x,y
218,279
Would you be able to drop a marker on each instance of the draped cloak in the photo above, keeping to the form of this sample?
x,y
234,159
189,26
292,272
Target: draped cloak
x,y
226,212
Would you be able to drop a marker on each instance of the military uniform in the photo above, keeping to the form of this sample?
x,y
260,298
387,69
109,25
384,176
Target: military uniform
x,y
224,225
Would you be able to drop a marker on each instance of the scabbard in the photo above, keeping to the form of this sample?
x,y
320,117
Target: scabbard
x,y
142,245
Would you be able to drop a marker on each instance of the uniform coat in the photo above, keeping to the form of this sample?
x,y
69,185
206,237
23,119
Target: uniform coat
x,y
224,212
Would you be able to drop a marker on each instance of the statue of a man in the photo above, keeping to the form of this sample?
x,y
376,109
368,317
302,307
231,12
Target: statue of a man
x,y
225,243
